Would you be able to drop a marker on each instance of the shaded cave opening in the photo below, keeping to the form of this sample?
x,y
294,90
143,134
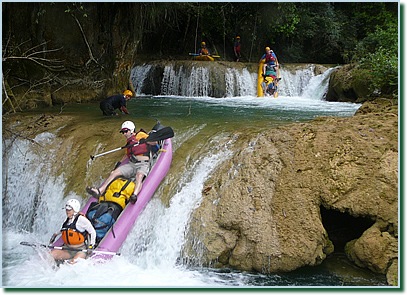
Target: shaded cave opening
x,y
343,227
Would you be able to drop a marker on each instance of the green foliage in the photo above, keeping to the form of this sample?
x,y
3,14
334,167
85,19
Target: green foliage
x,y
76,7
384,70
289,18
378,53
363,33
386,37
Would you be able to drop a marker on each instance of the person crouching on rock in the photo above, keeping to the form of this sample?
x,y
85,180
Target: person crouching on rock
x,y
77,233
119,101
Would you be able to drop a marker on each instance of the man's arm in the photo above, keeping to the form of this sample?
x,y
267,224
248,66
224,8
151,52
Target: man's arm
x,y
123,109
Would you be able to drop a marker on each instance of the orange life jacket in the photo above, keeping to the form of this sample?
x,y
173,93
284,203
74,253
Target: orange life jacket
x,y
70,235
204,51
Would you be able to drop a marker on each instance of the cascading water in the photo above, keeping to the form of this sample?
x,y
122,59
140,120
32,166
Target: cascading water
x,y
239,82
163,229
32,192
152,247
200,81
138,75
34,188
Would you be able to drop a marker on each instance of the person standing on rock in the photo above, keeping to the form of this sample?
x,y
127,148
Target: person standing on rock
x,y
236,48
119,101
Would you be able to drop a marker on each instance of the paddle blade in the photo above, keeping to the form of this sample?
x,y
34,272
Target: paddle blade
x,y
161,134
157,126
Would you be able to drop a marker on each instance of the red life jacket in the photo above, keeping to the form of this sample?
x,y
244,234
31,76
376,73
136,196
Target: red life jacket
x,y
270,58
142,149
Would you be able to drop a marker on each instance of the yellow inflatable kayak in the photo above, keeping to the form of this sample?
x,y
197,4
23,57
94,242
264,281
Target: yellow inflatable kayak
x,y
209,57
263,82
204,57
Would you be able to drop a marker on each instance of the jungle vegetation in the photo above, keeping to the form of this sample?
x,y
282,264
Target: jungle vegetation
x,y
44,44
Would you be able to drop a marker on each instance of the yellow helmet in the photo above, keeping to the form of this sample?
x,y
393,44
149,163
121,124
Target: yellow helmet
x,y
203,44
237,37
267,48
127,93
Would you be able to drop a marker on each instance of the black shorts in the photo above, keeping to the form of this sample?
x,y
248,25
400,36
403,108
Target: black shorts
x,y
107,109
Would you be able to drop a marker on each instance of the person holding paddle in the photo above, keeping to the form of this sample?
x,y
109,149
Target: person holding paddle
x,y
138,153
77,233
203,50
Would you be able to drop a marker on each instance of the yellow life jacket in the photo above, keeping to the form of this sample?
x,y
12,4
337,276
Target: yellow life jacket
x,y
118,191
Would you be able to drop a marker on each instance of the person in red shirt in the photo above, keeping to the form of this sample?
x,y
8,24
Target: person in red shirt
x,y
236,48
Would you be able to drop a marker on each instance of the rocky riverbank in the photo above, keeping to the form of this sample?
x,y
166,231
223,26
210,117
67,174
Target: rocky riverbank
x,y
262,209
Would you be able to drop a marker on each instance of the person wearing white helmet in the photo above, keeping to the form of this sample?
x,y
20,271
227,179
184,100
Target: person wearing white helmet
x,y
138,166
77,232
119,101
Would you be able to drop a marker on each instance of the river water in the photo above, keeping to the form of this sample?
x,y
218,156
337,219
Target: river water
x,y
150,256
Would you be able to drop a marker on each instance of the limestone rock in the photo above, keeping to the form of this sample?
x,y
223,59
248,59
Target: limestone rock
x,y
262,211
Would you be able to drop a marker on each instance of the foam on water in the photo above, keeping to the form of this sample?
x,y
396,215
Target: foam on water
x,y
150,251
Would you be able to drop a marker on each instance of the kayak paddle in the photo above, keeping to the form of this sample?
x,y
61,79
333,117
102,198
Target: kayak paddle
x,y
35,245
158,135
196,54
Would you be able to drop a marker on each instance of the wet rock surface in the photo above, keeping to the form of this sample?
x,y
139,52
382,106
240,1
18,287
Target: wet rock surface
x,y
262,208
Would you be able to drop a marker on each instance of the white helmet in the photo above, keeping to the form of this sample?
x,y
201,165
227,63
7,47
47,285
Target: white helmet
x,y
73,204
128,125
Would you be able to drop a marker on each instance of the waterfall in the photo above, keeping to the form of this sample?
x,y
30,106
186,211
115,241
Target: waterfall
x,y
239,83
317,86
198,83
32,191
138,76
33,198
217,80
163,229
303,82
